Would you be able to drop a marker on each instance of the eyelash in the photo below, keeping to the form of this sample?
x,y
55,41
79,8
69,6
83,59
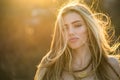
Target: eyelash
x,y
77,25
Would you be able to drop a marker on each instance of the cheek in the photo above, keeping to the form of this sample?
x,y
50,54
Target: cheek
x,y
65,36
81,30
83,34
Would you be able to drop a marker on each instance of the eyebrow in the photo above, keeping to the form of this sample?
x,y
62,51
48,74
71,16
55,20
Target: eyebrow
x,y
74,22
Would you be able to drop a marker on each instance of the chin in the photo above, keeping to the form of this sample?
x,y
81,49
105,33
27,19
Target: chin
x,y
76,46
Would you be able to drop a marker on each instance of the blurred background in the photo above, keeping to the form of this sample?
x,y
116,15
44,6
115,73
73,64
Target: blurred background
x,y
26,27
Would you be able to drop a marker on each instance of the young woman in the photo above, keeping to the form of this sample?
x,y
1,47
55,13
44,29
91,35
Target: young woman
x,y
80,47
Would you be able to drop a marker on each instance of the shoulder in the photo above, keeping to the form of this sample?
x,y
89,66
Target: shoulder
x,y
114,63
113,60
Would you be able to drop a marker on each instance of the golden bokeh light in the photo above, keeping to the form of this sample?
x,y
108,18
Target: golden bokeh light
x,y
31,3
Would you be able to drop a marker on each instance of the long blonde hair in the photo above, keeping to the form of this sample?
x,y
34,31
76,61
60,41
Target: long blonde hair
x,y
59,56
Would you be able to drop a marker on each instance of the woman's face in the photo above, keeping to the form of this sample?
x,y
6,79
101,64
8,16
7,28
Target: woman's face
x,y
76,31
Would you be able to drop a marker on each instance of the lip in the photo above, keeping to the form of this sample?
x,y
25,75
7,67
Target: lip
x,y
73,39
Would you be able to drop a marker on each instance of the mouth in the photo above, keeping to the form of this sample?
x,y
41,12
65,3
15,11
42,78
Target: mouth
x,y
73,39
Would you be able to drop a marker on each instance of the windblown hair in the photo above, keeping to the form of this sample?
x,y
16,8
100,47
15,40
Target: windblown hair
x,y
59,56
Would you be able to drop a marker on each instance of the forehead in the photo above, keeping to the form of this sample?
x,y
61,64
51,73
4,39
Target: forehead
x,y
71,17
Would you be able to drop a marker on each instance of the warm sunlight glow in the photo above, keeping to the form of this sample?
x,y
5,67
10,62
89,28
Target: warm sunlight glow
x,y
32,3
27,28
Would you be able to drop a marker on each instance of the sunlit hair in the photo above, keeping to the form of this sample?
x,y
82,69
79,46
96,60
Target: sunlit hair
x,y
59,56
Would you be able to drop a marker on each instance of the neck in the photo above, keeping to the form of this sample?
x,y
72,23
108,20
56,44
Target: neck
x,y
81,57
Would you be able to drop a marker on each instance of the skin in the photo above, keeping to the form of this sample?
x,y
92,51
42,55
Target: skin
x,y
77,36
76,32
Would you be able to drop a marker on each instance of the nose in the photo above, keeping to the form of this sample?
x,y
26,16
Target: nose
x,y
71,31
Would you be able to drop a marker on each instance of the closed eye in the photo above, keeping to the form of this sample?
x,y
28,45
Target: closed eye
x,y
77,25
